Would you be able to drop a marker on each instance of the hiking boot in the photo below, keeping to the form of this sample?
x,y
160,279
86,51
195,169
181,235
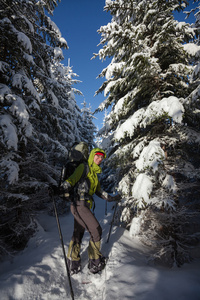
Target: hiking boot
x,y
96,265
74,266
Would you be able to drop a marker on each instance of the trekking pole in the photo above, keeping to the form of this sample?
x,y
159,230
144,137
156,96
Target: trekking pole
x,y
112,222
63,248
106,208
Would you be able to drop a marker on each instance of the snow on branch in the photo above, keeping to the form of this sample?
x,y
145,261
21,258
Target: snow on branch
x,y
9,130
143,117
4,90
56,30
11,170
151,157
192,49
21,81
25,41
142,189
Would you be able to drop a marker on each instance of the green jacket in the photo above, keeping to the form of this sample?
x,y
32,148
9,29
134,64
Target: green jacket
x,y
94,169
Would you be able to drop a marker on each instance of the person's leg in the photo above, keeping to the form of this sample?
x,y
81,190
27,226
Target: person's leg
x,y
97,261
87,220
76,240
73,256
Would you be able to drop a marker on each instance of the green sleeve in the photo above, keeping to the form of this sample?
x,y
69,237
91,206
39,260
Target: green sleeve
x,y
76,176
98,187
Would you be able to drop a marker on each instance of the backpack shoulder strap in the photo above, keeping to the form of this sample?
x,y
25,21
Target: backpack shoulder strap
x,y
85,171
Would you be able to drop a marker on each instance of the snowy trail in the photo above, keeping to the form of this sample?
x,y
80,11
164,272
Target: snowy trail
x,y
39,273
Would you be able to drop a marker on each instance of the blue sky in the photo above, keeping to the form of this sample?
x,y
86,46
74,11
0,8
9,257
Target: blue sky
x,y
78,21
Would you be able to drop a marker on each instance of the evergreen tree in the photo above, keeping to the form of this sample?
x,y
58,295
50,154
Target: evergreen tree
x,y
39,116
146,84
88,127
192,104
105,135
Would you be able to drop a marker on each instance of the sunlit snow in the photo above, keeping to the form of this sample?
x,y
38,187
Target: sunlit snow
x,y
39,271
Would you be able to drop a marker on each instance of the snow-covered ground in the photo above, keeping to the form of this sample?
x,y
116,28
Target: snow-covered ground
x,y
39,271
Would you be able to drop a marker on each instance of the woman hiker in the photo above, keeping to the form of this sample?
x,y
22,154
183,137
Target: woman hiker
x,y
83,217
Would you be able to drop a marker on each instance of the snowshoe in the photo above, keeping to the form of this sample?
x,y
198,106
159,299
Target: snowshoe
x,y
74,266
96,265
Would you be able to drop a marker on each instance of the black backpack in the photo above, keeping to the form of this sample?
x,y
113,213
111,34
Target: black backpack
x,y
78,154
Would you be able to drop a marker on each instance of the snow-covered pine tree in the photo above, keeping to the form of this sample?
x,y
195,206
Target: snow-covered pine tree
x,y
88,127
146,85
192,104
105,136
37,104
65,110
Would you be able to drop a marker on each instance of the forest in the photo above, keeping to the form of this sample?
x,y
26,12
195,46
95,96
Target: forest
x,y
151,134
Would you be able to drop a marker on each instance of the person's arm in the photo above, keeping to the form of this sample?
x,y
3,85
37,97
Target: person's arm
x,y
104,195
73,179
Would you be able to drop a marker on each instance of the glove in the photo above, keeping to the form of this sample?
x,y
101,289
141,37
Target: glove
x,y
116,198
65,186
53,190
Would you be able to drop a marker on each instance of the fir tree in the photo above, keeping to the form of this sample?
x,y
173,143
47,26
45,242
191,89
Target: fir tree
x,y
146,85
88,127
192,104
39,115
